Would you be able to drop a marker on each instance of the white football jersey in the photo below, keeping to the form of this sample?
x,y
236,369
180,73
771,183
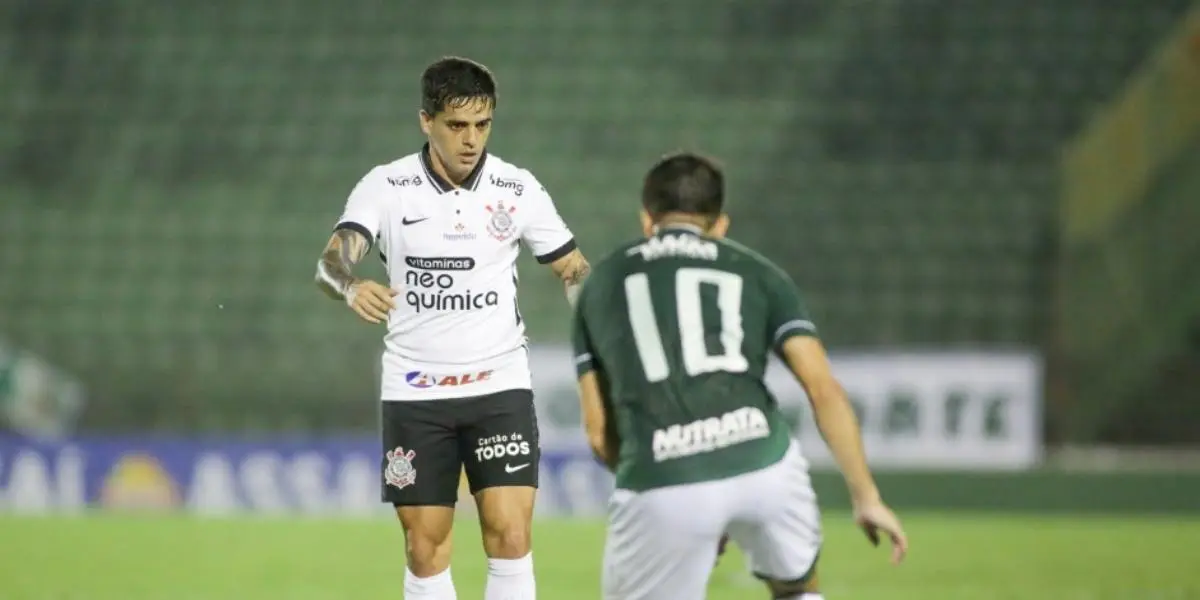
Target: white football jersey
x,y
451,254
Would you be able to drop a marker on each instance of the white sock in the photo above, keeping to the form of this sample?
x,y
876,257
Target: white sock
x,y
510,579
434,587
810,597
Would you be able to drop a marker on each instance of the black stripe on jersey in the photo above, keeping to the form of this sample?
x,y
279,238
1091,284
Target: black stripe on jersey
x,y
562,251
441,185
516,295
352,226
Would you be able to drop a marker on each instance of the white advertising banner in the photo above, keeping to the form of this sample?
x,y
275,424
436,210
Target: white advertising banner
x,y
918,410
953,411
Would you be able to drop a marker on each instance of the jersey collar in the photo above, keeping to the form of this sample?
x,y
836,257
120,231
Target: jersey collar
x,y
678,227
440,184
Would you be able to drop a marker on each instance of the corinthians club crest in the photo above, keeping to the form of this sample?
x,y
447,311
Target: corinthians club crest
x,y
501,225
400,471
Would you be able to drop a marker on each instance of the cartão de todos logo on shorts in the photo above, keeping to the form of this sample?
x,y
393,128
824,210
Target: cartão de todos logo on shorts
x,y
424,380
512,445
501,226
400,471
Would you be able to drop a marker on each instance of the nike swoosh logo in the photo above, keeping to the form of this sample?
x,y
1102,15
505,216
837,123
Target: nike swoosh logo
x,y
407,221
511,469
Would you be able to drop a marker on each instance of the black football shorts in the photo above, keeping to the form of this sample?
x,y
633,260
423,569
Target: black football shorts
x,y
427,444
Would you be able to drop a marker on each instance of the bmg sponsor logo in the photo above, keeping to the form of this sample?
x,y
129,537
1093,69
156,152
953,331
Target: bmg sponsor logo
x,y
401,182
505,446
430,285
515,185
423,380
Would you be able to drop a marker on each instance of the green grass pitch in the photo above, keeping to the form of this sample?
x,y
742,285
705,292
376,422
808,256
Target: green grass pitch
x,y
954,557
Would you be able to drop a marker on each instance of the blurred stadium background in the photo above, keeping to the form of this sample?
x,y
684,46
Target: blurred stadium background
x,y
991,207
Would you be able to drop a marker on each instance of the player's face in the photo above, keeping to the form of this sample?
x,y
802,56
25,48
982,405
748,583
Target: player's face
x,y
458,134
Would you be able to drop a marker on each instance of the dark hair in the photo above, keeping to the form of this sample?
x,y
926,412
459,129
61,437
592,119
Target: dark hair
x,y
454,81
684,183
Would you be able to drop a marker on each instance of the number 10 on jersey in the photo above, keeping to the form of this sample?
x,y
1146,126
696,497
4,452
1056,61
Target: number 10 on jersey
x,y
690,318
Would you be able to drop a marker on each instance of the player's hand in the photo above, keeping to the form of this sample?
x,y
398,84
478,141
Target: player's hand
x,y
371,301
876,517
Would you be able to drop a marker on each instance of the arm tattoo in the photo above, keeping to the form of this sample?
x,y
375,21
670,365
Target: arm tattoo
x,y
344,250
577,272
573,278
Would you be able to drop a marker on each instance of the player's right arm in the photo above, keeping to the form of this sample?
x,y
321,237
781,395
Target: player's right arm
x,y
795,340
351,240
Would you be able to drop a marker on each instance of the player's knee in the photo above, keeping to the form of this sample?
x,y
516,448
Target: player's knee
x,y
790,589
427,555
427,539
507,540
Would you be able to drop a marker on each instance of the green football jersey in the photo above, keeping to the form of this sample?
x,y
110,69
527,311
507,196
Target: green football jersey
x,y
679,329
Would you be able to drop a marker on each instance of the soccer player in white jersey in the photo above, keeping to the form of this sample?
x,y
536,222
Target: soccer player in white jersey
x,y
448,222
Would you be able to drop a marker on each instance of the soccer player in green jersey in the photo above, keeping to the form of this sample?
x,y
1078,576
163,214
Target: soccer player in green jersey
x,y
672,335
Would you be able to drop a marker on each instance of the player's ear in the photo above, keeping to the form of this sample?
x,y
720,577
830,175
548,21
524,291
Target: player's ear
x,y
426,121
647,223
720,226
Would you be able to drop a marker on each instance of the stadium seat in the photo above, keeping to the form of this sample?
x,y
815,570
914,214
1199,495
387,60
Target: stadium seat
x,y
171,174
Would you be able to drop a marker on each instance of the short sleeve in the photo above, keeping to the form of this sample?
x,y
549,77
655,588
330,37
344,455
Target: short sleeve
x,y
581,341
364,208
545,232
786,314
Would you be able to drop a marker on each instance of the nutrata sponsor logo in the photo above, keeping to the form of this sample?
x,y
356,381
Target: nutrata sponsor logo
x,y
706,435
424,380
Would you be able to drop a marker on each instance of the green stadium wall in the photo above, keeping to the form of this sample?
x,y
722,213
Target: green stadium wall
x,y
1042,491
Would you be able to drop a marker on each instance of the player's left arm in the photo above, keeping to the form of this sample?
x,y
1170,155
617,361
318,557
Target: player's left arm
x,y
600,436
796,341
552,242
